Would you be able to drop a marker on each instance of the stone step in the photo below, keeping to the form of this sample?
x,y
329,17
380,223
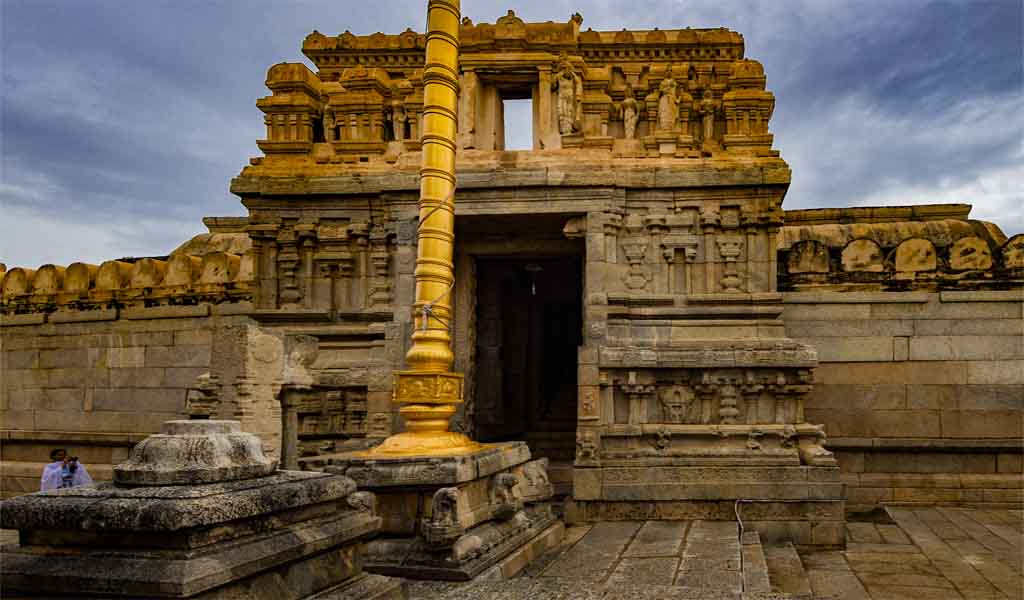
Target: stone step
x,y
754,567
786,571
711,559
548,589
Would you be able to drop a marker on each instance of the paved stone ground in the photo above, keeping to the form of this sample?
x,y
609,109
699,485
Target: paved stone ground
x,y
928,554
920,554
923,554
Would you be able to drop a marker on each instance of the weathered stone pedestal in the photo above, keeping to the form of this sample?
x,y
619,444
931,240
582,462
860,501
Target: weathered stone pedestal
x,y
456,517
196,512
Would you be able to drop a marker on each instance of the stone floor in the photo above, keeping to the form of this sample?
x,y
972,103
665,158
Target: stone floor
x,y
907,554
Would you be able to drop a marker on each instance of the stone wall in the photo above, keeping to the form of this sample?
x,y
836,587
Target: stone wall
x,y
921,378
921,392
97,382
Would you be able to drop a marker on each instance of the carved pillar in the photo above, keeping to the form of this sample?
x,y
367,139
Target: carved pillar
x,y
264,243
297,385
680,273
289,291
729,248
710,220
543,131
638,395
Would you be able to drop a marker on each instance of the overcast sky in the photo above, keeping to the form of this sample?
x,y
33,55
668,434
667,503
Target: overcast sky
x,y
123,121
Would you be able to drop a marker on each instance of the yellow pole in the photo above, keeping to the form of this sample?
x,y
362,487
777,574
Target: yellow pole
x,y
429,391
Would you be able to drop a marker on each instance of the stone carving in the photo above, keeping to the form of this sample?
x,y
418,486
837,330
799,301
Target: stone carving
x,y
586,447
569,88
363,501
630,113
535,485
442,527
815,455
754,439
862,256
398,120
970,254
504,501
809,257
916,255
678,405
1013,252
730,248
668,107
637,392
202,401
662,440
707,108
328,126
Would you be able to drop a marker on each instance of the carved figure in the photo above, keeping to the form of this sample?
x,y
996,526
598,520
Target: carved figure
x,y
363,501
586,447
630,113
503,498
668,102
328,126
707,109
444,507
678,406
398,118
442,528
570,96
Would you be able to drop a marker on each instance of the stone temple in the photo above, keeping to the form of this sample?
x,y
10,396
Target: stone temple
x,y
631,305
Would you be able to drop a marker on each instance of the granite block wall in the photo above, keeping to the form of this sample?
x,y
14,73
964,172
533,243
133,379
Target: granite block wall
x,y
95,382
921,393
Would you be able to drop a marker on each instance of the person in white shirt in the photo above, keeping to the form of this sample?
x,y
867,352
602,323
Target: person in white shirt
x,y
63,472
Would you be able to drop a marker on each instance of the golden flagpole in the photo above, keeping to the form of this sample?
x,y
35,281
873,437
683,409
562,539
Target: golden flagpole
x,y
429,391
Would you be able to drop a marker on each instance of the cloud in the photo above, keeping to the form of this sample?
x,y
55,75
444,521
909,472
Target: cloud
x,y
123,121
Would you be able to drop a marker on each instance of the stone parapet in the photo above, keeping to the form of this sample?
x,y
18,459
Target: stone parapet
x,y
897,249
129,283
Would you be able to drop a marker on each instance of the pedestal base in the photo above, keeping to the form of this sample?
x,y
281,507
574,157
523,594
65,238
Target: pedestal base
x,y
528,534
452,517
803,504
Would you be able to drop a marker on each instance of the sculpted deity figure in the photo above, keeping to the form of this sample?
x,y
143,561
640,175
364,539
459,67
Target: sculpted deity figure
x,y
328,126
569,87
707,109
398,118
630,113
668,103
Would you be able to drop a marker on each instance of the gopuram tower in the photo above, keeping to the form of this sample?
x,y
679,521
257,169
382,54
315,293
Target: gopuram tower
x,y
608,296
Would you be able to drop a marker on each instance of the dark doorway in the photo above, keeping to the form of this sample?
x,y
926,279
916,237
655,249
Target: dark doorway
x,y
529,328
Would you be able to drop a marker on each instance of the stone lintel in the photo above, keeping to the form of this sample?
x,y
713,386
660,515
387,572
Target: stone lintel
x,y
725,353
572,168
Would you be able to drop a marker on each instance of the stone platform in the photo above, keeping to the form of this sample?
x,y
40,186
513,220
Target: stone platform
x,y
195,512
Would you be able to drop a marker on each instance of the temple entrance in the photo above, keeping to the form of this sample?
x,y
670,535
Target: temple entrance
x,y
529,328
